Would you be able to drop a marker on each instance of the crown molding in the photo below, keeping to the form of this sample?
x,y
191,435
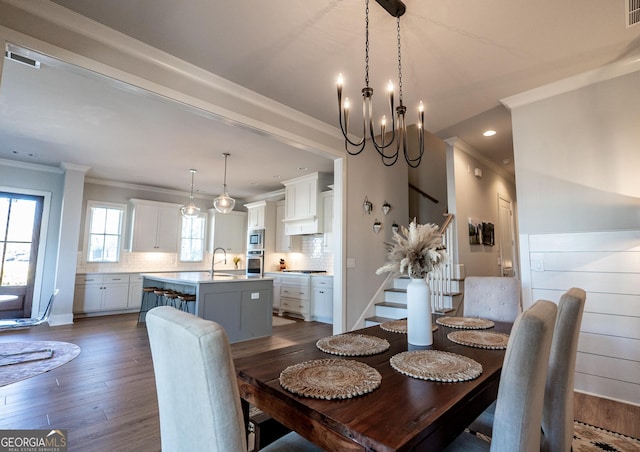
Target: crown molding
x,y
31,166
601,74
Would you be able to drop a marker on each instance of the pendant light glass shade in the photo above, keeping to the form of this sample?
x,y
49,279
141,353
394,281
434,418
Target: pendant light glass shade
x,y
190,210
224,203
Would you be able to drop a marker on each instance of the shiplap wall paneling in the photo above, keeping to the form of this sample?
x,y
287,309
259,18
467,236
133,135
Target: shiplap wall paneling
x,y
607,266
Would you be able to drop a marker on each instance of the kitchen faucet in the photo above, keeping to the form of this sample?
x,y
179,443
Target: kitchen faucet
x,y
213,256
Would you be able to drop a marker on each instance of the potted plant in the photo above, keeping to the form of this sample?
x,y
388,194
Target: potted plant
x,y
417,251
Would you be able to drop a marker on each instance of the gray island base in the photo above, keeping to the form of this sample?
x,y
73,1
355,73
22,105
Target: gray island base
x,y
241,304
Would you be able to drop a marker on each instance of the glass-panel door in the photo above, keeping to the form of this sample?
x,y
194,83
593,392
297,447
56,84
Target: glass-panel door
x,y
20,217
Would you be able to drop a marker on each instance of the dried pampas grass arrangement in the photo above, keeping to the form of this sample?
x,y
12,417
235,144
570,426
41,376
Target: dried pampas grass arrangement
x,y
417,251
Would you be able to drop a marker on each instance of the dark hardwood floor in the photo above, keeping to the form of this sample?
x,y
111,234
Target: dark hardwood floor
x,y
106,397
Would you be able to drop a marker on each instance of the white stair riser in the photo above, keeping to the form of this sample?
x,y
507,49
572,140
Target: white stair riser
x,y
390,312
401,283
395,297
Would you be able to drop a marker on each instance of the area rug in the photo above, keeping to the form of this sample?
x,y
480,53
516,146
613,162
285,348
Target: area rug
x,y
587,438
279,321
21,360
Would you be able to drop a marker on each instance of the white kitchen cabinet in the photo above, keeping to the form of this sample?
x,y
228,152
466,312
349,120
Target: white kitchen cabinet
x,y
135,292
154,226
256,214
276,289
262,215
295,295
284,243
327,207
303,210
322,298
101,292
227,231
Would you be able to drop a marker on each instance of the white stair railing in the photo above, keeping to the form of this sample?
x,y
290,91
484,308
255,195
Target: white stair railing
x,y
441,282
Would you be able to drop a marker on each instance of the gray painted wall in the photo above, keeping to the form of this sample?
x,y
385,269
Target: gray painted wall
x,y
577,159
476,198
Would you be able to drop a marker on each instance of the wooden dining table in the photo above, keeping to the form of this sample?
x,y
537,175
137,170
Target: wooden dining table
x,y
403,413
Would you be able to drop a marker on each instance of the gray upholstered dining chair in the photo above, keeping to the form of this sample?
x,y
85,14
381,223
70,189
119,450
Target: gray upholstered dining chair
x,y
492,297
198,397
557,413
521,392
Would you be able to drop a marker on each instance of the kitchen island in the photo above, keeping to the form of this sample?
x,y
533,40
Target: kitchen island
x,y
241,304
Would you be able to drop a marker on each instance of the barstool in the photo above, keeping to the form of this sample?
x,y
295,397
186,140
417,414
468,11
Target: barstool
x,y
160,297
185,299
147,302
172,298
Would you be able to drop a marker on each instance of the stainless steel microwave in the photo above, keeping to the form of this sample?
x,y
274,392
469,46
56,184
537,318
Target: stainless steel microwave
x,y
255,239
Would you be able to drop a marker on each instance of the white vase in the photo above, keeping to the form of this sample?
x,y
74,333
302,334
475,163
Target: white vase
x,y
419,330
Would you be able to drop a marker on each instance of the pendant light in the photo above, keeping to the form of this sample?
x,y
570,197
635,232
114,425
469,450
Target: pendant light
x,y
190,210
224,203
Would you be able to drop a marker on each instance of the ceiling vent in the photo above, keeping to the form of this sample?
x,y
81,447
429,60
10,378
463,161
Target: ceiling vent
x,y
26,60
632,12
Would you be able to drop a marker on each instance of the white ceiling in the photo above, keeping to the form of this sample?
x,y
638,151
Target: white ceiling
x,y
459,57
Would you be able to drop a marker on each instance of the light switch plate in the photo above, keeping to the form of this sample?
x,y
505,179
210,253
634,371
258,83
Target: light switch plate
x,y
351,262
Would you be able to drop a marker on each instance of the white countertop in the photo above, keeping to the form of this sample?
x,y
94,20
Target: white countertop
x,y
201,277
301,273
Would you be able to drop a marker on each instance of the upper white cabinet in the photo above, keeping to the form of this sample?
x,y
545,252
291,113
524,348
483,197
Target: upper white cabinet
x,y
256,213
154,226
262,215
303,205
227,231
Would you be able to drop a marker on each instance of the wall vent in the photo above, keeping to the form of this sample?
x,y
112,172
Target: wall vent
x,y
632,12
26,60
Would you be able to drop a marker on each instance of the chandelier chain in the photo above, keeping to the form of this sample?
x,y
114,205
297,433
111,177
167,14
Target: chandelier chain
x,y
399,62
366,45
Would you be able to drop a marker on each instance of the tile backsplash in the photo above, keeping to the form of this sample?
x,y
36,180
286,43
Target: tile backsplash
x,y
154,262
313,255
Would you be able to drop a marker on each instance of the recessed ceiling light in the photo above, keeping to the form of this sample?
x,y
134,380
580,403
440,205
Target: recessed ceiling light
x,y
489,133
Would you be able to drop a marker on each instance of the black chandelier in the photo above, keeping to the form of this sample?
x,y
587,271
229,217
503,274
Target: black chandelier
x,y
389,156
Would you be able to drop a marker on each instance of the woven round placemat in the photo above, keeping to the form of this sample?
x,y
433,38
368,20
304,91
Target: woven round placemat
x,y
399,326
353,345
466,323
436,365
480,339
330,379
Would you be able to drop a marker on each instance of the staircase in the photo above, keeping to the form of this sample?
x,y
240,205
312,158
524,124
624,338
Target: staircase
x,y
394,304
446,293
